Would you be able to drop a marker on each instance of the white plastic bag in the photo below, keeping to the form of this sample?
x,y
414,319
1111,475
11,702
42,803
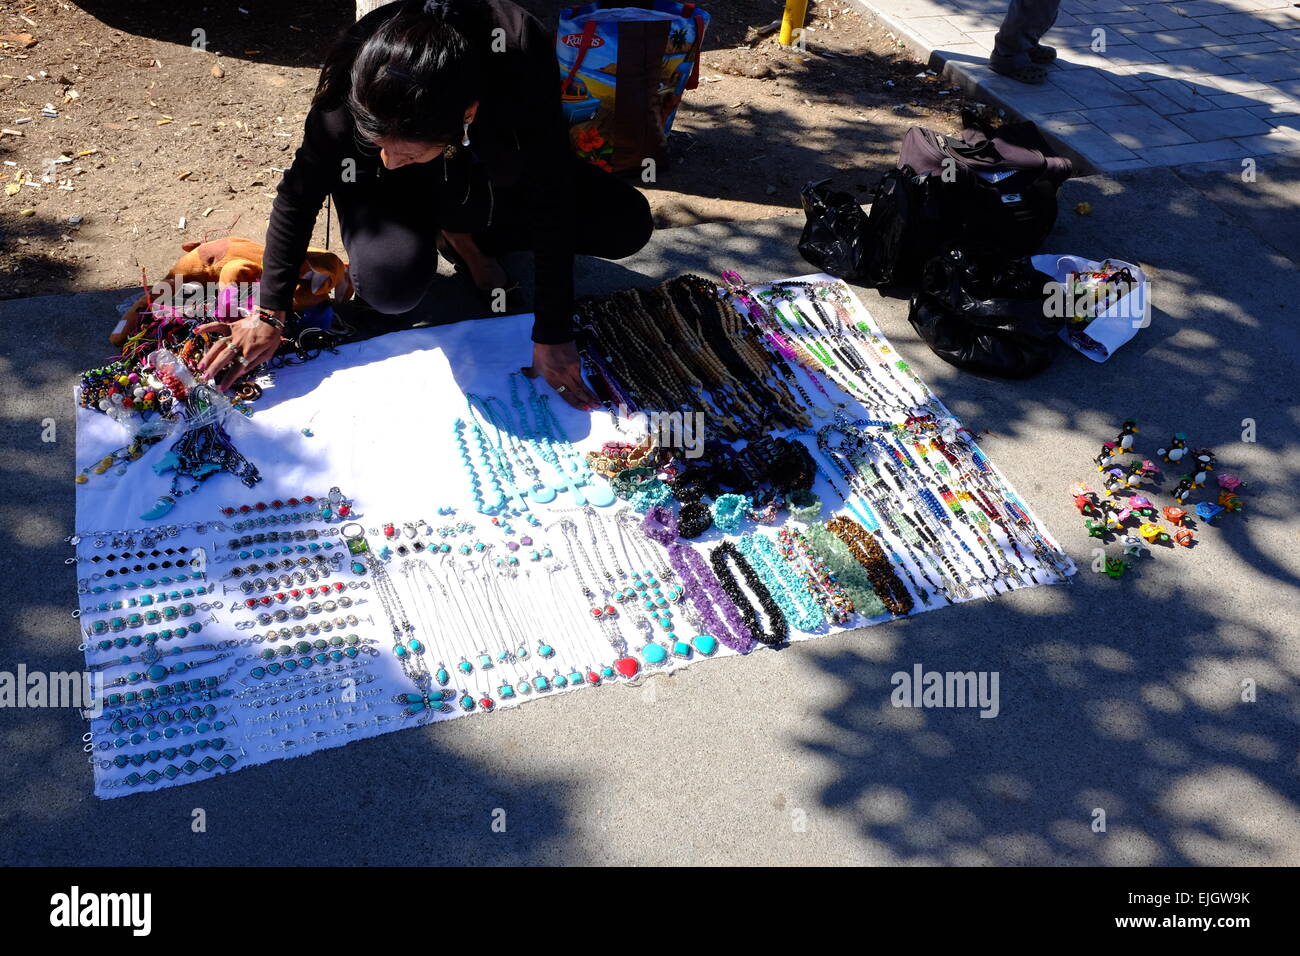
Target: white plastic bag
x,y
1116,317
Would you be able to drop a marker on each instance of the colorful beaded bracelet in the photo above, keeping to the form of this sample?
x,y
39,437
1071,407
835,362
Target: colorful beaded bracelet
x,y
729,511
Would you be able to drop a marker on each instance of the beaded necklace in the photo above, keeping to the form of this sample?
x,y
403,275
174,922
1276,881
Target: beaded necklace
x,y
779,629
835,601
783,582
714,606
868,553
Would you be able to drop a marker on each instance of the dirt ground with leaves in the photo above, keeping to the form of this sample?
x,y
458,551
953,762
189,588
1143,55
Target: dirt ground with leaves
x,y
129,128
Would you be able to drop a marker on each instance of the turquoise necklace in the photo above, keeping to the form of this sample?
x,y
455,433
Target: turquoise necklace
x,y
785,584
496,500
556,449
539,490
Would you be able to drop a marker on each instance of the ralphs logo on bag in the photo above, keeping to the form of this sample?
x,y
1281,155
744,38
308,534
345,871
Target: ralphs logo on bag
x,y
575,40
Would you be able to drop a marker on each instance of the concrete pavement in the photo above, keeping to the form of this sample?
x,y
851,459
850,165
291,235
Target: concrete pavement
x,y
1137,83
1119,696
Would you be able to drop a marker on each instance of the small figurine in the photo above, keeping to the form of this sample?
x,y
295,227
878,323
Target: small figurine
x,y
1207,511
1125,437
1142,506
1152,532
1230,482
1106,456
1175,516
1115,567
1230,501
1085,499
1114,516
1114,481
1185,537
1201,461
1134,547
1096,529
1184,489
1176,449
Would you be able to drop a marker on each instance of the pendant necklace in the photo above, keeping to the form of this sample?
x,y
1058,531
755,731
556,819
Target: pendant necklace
x,y
420,571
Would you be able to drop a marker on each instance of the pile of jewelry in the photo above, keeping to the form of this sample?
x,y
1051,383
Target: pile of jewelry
x,y
773,472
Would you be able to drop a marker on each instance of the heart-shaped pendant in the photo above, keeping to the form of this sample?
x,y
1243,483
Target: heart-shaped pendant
x,y
706,644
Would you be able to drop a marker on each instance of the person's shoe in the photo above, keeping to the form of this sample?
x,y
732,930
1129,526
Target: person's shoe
x,y
1042,54
1032,74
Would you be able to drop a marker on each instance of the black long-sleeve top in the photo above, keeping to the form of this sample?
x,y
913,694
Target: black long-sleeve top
x,y
520,137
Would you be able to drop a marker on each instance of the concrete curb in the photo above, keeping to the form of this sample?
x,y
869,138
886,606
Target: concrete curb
x,y
971,86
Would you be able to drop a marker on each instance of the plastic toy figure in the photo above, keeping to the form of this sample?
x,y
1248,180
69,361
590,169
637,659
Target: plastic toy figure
x,y
1207,511
1115,567
1114,516
1184,489
1085,499
1185,537
1152,533
1114,481
1174,515
1230,482
1201,462
1142,506
1096,529
1106,456
1176,449
1134,547
1125,437
1230,501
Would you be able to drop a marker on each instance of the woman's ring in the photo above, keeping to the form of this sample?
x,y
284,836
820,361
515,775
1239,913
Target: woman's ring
x,y
561,388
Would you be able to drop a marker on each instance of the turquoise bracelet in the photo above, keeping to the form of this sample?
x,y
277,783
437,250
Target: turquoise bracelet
x,y
784,582
729,511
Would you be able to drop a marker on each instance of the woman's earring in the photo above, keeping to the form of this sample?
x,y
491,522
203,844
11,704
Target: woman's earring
x,y
465,139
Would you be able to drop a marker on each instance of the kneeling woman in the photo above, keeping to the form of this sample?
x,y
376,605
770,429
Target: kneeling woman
x,y
436,127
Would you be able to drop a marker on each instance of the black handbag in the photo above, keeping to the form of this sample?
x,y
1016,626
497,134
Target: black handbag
x,y
985,312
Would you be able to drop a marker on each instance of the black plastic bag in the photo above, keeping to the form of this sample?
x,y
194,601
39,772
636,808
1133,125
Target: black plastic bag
x,y
835,235
985,312
912,219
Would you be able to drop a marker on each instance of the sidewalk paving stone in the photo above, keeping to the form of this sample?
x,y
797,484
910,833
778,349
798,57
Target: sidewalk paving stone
x,y
1220,123
1138,127
1188,153
1174,83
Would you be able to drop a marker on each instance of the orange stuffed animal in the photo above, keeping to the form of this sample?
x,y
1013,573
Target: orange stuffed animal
x,y
233,260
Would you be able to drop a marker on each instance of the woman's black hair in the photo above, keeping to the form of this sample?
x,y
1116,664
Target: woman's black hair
x,y
409,69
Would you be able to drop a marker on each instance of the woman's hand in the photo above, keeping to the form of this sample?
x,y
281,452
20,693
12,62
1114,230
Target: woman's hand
x,y
561,367
251,338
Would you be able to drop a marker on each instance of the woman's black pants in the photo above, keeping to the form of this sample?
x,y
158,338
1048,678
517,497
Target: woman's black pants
x,y
390,235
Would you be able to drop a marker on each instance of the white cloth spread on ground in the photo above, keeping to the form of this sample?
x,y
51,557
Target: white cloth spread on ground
x,y
380,415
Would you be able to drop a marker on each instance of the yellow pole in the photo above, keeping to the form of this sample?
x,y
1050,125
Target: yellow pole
x,y
795,11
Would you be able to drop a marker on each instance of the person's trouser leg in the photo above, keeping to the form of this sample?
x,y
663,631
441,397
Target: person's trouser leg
x,y
611,218
1026,22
